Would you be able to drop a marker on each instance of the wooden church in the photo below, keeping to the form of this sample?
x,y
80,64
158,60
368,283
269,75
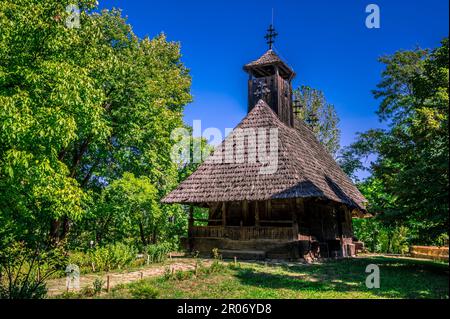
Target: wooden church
x,y
302,209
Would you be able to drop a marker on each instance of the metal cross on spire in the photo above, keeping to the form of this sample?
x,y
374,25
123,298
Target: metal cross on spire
x,y
270,36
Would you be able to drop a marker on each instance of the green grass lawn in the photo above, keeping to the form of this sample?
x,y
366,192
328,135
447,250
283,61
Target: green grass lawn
x,y
345,278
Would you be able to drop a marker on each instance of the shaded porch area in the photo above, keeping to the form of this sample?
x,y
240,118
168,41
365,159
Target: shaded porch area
x,y
285,228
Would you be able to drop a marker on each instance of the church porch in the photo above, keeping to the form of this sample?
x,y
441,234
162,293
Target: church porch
x,y
285,229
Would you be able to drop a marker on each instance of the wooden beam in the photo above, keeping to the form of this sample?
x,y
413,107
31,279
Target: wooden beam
x,y
190,226
256,214
269,209
224,214
250,92
294,220
245,209
303,220
206,220
276,221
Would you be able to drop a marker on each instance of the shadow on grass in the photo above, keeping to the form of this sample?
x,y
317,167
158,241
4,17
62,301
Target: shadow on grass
x,y
399,278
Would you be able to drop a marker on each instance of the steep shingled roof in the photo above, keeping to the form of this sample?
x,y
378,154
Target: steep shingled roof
x,y
305,169
268,58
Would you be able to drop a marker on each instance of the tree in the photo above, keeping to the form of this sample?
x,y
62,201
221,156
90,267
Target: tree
x,y
411,166
320,116
80,107
130,205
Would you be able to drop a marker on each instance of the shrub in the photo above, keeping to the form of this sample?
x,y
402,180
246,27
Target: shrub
x,y
23,271
167,273
98,285
87,292
215,254
216,266
183,275
70,295
158,252
113,256
143,291
234,265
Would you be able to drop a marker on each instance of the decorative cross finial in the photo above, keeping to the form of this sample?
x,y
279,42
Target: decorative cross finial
x,y
270,36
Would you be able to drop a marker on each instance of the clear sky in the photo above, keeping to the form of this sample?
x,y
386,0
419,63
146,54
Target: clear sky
x,y
326,43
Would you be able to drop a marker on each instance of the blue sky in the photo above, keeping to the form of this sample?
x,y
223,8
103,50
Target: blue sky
x,y
326,42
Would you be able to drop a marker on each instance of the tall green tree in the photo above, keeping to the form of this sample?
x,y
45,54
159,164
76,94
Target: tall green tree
x,y
410,171
79,107
320,116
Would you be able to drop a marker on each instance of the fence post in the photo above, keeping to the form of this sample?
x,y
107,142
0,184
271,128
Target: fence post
x,y
107,283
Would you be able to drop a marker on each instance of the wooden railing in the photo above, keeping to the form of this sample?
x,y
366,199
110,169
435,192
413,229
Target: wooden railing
x,y
429,252
242,233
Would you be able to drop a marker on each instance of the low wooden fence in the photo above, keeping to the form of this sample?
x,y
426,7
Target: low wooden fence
x,y
429,252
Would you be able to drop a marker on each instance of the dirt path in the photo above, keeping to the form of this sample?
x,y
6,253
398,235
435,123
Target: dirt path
x,y
58,286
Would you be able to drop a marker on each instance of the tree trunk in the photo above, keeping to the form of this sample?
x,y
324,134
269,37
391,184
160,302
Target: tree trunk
x,y
59,228
54,231
389,242
154,236
141,232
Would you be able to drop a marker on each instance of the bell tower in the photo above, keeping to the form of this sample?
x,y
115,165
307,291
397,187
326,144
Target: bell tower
x,y
270,79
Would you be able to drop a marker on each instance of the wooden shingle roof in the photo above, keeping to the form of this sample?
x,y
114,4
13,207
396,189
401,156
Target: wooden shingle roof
x,y
305,168
269,58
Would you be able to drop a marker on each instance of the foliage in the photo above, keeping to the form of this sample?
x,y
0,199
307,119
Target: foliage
x,y
216,254
143,290
158,252
409,176
320,116
167,273
97,285
183,275
80,108
106,258
86,292
129,208
379,238
23,271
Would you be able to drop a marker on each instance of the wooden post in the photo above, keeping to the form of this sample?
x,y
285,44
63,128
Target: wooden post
x,y
108,281
269,209
299,210
141,275
277,99
224,214
256,214
241,230
190,228
340,233
245,209
294,220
